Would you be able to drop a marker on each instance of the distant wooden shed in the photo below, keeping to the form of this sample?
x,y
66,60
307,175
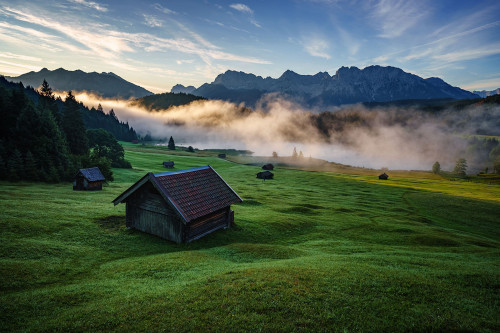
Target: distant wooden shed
x,y
180,206
268,166
383,176
90,179
265,175
168,164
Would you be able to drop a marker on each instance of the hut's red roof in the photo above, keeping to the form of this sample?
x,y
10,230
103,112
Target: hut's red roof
x,y
193,192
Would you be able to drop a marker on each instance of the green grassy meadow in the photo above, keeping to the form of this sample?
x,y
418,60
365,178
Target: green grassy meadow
x,y
311,251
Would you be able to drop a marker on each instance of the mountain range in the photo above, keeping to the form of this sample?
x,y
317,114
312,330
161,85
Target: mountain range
x,y
347,86
103,84
485,93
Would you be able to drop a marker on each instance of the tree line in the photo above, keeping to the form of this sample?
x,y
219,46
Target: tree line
x,y
43,138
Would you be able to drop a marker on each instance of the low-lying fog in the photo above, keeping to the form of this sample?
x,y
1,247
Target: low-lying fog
x,y
396,138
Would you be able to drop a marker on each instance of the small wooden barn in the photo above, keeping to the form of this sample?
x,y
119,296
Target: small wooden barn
x,y
90,179
268,166
168,164
265,175
383,176
180,206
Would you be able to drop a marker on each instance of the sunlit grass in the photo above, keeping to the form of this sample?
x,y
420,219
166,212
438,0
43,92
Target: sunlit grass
x,y
311,251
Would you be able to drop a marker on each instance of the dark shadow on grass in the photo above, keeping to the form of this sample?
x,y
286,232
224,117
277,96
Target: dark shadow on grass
x,y
112,223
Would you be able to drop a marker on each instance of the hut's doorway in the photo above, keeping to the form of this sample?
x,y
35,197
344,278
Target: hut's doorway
x,y
79,182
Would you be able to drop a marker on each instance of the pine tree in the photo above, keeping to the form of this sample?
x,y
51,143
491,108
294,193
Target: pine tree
x,y
460,167
171,144
15,166
3,168
48,101
73,127
301,155
52,175
294,154
30,170
46,90
51,147
496,165
436,168
190,149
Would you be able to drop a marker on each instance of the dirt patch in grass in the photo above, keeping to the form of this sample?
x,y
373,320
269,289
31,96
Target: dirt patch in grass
x,y
111,223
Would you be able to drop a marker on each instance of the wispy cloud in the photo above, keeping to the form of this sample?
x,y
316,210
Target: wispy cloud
x,y
91,4
109,44
489,84
162,9
10,55
351,43
246,10
316,47
24,67
394,17
152,21
470,54
241,8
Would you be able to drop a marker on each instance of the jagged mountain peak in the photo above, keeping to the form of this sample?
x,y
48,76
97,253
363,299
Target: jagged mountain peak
x,y
348,85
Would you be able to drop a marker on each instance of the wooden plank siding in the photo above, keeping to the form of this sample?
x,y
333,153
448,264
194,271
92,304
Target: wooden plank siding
x,y
180,206
149,213
207,224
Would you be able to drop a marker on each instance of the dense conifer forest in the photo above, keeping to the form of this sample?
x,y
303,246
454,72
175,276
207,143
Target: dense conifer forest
x,y
43,138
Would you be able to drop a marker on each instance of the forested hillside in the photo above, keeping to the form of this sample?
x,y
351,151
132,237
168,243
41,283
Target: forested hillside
x,y
165,100
43,138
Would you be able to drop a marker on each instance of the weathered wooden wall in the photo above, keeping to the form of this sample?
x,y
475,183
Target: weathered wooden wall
x,y
148,212
207,224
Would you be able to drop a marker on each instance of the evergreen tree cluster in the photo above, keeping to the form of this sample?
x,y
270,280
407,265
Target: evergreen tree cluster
x,y
43,138
96,118
166,100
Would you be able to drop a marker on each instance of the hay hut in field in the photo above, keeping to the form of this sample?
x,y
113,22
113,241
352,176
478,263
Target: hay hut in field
x,y
265,175
90,179
268,166
180,206
383,176
222,155
168,164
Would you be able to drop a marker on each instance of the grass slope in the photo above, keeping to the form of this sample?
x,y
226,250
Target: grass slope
x,y
312,251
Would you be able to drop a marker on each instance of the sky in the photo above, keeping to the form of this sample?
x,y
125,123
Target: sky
x,y
157,44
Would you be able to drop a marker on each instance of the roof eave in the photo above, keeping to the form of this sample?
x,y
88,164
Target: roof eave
x,y
132,189
241,200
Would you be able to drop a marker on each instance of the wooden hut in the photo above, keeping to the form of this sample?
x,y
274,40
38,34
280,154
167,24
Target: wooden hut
x,y
90,179
383,176
180,206
268,166
168,164
222,155
265,175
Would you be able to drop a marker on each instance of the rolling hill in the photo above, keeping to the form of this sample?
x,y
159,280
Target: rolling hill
x,y
165,100
310,252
